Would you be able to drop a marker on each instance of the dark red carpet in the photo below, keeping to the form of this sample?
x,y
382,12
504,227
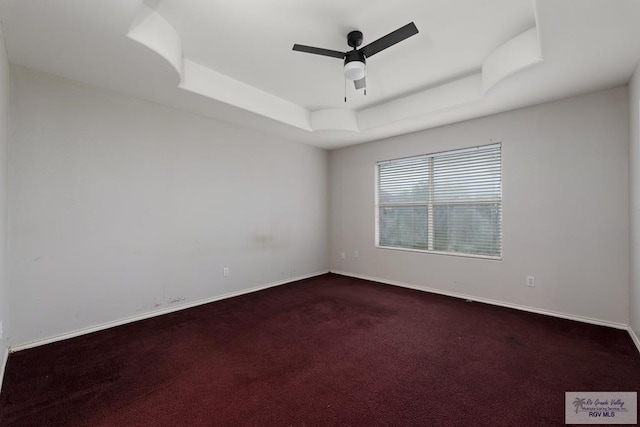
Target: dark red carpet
x,y
327,351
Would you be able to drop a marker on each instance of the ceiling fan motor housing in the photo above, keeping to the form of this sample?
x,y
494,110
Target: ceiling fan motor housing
x,y
354,65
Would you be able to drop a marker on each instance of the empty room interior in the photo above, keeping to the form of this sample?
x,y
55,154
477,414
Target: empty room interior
x,y
318,213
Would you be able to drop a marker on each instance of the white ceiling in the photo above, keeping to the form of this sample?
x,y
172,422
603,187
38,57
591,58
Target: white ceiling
x,y
234,60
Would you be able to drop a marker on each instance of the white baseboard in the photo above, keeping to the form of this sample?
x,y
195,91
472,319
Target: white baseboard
x,y
490,301
5,358
107,325
634,337
147,315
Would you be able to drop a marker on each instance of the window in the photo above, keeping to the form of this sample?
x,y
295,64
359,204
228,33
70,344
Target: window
x,y
448,202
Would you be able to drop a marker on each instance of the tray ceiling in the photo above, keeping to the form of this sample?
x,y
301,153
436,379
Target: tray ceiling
x,y
233,60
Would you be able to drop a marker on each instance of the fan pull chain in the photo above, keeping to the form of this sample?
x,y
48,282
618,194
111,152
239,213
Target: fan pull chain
x,y
345,89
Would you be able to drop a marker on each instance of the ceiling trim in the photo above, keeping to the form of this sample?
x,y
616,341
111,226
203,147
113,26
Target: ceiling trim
x,y
521,52
151,30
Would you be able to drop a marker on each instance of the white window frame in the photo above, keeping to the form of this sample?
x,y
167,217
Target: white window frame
x,y
431,203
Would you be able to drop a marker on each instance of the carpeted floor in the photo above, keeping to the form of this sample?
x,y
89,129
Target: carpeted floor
x,y
327,351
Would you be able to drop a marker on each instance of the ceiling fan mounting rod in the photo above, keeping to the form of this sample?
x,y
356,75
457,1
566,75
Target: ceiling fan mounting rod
x,y
354,39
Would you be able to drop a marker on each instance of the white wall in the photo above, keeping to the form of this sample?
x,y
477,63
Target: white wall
x,y
565,209
4,103
120,207
634,202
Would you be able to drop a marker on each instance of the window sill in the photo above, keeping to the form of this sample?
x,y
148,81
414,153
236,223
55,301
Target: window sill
x,y
456,254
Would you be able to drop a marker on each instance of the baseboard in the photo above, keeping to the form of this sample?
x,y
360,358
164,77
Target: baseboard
x,y
148,315
490,301
5,358
155,313
634,338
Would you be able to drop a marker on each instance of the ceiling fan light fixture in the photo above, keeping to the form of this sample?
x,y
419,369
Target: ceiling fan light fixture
x,y
355,70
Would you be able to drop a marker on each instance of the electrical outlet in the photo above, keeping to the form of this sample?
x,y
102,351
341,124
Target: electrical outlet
x,y
356,254
531,281
225,272
343,255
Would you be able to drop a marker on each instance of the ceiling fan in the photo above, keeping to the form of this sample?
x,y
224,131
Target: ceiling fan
x,y
355,60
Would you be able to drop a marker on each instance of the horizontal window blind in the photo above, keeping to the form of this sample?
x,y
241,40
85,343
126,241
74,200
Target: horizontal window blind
x,y
445,202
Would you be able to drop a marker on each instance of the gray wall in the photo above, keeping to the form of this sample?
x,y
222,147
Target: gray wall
x,y
120,207
634,202
4,103
565,209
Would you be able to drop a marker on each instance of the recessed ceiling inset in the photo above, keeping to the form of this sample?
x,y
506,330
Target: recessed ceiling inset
x,y
152,30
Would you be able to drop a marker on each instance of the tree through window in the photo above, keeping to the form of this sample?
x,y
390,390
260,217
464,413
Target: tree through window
x,y
449,202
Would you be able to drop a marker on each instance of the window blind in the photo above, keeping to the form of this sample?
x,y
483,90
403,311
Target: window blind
x,y
449,202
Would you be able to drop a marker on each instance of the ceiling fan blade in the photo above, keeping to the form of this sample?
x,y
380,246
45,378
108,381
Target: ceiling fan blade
x,y
360,84
318,51
390,39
